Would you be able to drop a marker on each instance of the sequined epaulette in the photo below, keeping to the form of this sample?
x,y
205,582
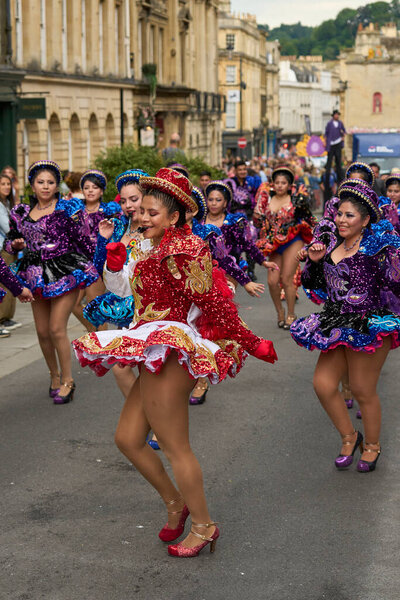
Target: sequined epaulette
x,y
204,231
110,208
373,242
181,243
232,218
70,207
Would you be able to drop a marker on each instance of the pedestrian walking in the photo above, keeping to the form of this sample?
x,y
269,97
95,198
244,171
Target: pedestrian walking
x,y
334,135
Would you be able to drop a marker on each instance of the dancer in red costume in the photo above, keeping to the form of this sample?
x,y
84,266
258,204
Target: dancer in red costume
x,y
185,326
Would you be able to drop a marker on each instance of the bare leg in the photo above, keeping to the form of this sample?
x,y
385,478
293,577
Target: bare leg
x,y
41,313
78,310
330,368
125,378
96,289
289,267
364,371
274,287
130,437
165,403
61,309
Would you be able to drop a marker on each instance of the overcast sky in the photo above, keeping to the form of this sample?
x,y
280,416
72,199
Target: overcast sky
x,y
309,12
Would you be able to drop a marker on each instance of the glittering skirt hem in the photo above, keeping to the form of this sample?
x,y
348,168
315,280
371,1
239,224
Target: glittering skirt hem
x,y
364,333
269,245
57,276
152,343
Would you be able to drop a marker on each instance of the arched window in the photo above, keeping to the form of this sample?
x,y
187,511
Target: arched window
x,y
377,102
74,138
94,143
55,146
110,131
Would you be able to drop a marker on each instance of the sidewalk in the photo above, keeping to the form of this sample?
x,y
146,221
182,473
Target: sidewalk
x,y
22,347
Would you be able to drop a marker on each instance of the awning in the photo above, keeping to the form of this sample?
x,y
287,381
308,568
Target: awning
x,y
379,145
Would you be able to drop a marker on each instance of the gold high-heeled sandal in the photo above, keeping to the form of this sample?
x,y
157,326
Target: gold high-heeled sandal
x,y
289,320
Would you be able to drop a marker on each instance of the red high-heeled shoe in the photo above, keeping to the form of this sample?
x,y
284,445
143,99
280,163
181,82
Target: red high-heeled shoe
x,y
182,552
167,534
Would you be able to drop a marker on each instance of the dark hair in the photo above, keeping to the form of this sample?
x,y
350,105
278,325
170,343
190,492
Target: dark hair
x,y
375,165
362,209
73,180
96,180
42,170
205,174
126,183
361,175
239,163
170,204
284,174
10,197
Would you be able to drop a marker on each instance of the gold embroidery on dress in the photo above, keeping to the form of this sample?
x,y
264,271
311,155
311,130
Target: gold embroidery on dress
x,y
136,283
199,275
173,267
204,353
233,350
179,337
93,345
150,314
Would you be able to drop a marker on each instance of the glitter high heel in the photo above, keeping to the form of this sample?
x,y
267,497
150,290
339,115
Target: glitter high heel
x,y
365,466
167,534
69,397
202,387
343,461
182,552
53,392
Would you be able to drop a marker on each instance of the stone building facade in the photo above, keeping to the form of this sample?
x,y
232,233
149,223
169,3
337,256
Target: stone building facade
x,y
245,82
370,75
85,57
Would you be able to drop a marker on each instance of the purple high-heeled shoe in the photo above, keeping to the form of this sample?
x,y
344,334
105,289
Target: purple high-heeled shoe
x,y
358,414
343,461
349,402
364,466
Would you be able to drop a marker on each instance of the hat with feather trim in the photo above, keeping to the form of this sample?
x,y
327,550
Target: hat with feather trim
x,y
363,194
130,176
200,200
44,165
172,183
102,179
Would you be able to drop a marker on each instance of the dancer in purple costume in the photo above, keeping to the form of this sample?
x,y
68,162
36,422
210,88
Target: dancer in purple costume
x,y
8,279
359,269
54,266
92,210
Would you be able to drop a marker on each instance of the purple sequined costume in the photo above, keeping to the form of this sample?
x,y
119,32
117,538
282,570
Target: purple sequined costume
x,y
238,239
89,221
56,258
362,305
8,279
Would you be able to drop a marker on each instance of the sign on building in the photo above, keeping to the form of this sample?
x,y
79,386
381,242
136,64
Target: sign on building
x,y
233,96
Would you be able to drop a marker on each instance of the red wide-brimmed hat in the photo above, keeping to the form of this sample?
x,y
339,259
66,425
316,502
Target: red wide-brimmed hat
x,y
174,184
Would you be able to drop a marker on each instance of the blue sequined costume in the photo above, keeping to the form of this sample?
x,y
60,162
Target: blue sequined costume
x,y
110,308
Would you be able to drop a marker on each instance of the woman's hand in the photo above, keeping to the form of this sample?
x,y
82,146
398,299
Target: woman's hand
x,y
302,254
317,252
26,295
106,228
18,244
254,289
270,265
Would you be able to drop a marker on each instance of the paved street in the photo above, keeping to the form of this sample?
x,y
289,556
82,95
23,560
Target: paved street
x,y
78,523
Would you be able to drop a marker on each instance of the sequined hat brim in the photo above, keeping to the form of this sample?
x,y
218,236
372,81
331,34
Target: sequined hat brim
x,y
221,187
373,210
44,164
281,170
95,173
169,188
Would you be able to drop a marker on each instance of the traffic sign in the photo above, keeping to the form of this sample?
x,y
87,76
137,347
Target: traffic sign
x,y
242,142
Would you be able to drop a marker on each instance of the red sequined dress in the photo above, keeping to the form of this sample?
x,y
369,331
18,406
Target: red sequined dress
x,y
280,228
181,304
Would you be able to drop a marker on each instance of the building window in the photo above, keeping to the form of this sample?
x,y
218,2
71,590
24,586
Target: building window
x,y
43,45
150,53
231,74
18,32
101,39
139,48
377,102
160,54
230,41
64,43
231,115
83,34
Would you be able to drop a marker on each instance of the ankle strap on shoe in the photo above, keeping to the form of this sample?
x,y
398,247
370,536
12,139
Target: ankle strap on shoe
x,y
170,503
348,435
199,535
377,450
